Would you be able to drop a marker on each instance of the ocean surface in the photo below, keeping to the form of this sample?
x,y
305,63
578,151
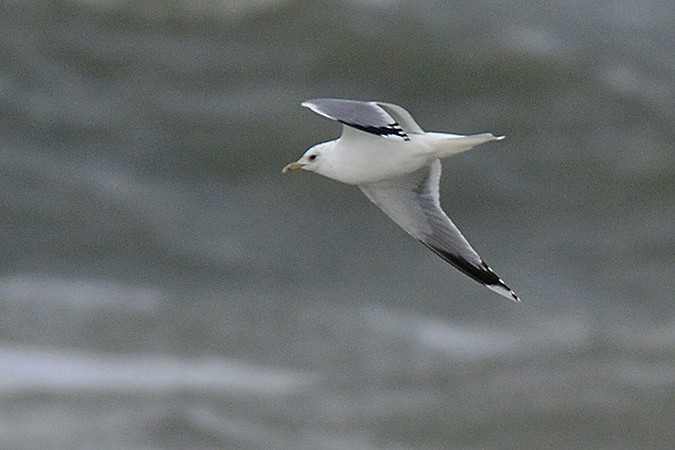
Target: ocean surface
x,y
164,286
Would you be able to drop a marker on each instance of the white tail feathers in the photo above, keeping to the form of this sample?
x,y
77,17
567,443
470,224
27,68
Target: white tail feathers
x,y
451,144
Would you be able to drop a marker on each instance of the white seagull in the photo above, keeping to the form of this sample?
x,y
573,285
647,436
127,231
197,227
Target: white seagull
x,y
397,165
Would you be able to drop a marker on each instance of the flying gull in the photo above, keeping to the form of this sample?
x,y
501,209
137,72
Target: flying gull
x,y
397,165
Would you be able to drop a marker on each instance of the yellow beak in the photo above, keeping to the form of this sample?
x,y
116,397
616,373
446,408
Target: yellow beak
x,y
293,166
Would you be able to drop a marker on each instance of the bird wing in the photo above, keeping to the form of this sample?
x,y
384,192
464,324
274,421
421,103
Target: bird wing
x,y
377,118
413,203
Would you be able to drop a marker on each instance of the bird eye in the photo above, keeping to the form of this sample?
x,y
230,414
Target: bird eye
x,y
312,157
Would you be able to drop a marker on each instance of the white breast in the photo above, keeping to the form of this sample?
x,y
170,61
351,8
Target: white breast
x,y
364,161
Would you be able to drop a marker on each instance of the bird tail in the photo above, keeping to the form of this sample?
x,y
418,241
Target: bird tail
x,y
451,144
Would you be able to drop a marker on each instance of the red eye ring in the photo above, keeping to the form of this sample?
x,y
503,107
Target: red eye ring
x,y
312,157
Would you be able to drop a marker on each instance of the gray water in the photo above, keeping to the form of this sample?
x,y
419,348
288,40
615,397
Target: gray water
x,y
163,286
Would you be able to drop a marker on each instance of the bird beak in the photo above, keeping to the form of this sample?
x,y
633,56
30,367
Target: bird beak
x,y
293,166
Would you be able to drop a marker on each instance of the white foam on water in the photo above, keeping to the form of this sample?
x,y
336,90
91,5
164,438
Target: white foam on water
x,y
70,371
79,293
224,9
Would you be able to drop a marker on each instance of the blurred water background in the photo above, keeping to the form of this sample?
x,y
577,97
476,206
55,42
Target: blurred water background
x,y
163,286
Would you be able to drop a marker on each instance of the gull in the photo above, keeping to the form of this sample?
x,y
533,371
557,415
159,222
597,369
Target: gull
x,y
397,165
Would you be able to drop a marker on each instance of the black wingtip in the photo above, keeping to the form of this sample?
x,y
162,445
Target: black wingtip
x,y
481,273
502,289
392,129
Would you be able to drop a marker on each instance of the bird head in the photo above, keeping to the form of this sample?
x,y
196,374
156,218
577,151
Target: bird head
x,y
316,159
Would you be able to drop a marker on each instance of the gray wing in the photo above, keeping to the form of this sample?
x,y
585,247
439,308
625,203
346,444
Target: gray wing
x,y
381,119
413,203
